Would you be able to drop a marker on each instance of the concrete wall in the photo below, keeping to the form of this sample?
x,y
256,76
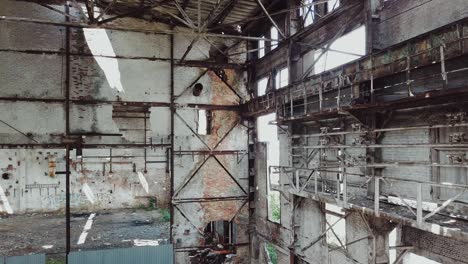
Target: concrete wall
x,y
120,86
400,20
397,21
36,180
27,74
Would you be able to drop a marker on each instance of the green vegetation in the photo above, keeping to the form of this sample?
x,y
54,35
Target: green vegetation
x,y
166,214
55,261
150,206
273,256
152,203
274,204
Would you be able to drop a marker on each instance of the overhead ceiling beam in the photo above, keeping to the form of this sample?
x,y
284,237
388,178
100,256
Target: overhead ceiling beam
x,y
184,14
271,19
130,29
219,19
251,24
104,12
138,11
260,15
58,11
90,8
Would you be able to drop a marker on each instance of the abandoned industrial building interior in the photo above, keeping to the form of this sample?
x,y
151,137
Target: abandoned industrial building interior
x,y
233,131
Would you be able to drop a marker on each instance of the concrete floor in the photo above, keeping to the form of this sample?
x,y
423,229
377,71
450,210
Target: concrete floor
x,y
45,233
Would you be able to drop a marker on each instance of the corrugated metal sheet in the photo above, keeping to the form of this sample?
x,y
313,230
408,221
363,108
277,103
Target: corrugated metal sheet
x,y
32,259
142,255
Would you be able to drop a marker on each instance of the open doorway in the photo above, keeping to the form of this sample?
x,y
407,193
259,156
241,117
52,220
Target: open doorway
x,y
268,133
219,240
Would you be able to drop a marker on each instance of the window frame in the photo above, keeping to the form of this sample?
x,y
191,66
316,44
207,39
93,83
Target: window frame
x,y
278,77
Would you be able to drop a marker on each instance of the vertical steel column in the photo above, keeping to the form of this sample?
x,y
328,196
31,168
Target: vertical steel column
x,y
67,132
377,196
67,201
172,137
145,150
419,210
67,71
442,66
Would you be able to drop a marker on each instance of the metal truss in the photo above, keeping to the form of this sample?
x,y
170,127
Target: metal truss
x,y
306,98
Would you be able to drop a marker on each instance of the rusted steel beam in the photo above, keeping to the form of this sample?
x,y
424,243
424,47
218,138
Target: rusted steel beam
x,y
223,14
310,38
211,64
90,9
57,11
78,144
67,72
129,29
210,199
186,63
67,203
106,9
440,97
138,11
259,2
208,152
184,249
189,48
170,152
381,64
232,177
228,85
123,103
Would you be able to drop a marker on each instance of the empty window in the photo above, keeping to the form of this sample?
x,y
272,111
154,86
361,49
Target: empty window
x,y
272,254
392,243
412,258
218,239
261,48
219,232
274,35
268,133
204,122
307,12
282,78
262,86
333,4
336,225
345,49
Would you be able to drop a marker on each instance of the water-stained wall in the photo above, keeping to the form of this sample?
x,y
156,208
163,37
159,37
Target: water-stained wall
x,y
113,96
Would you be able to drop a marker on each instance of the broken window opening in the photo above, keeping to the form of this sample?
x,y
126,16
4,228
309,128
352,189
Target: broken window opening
x,y
282,78
411,258
204,122
345,49
268,133
392,243
261,48
307,12
219,237
262,85
332,5
336,235
273,35
218,233
197,89
272,253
